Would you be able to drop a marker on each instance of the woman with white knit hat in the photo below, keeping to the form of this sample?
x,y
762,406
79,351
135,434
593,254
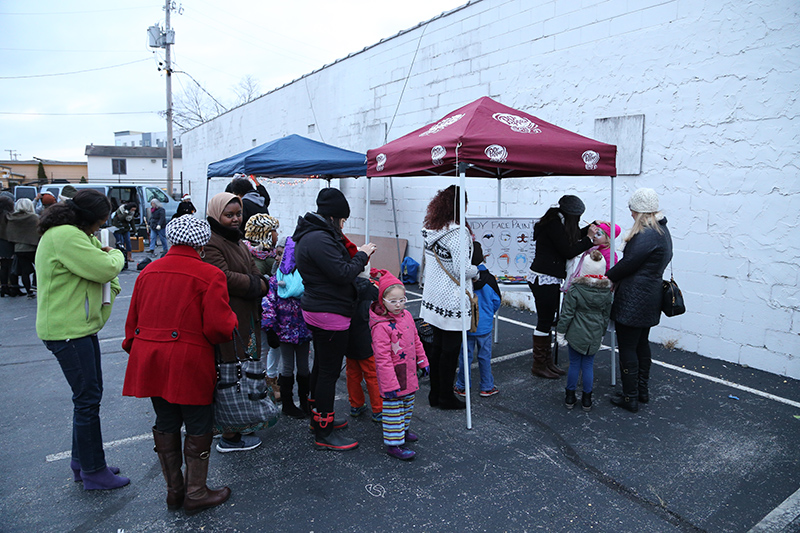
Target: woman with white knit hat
x,y
637,295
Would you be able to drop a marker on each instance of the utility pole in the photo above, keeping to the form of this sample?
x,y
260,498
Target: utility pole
x,y
168,42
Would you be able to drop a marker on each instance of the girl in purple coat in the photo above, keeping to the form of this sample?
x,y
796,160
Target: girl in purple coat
x,y
398,353
283,318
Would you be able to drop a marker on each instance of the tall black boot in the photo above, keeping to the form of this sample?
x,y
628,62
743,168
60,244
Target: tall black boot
x,y
324,436
629,399
303,389
168,448
286,384
644,391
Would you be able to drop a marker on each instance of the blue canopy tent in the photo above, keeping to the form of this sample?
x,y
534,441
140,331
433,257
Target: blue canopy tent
x,y
293,156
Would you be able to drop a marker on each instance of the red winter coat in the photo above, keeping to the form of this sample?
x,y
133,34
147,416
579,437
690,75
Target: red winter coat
x,y
178,312
395,344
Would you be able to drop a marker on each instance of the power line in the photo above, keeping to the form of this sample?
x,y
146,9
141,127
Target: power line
x,y
75,72
78,114
79,12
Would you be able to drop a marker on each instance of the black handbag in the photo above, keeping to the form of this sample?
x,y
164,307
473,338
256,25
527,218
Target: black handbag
x,y
672,297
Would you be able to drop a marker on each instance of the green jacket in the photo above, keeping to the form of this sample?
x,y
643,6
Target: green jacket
x,y
585,314
71,268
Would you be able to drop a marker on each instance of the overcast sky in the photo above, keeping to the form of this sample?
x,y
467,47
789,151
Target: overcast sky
x,y
217,43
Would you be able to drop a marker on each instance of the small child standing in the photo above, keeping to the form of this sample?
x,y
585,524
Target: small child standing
x,y
583,322
398,352
488,293
603,242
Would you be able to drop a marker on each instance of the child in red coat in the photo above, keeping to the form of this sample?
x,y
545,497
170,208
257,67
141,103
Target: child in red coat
x,y
398,353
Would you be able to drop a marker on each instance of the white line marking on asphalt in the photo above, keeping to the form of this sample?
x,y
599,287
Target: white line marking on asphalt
x,y
21,317
113,339
106,445
781,516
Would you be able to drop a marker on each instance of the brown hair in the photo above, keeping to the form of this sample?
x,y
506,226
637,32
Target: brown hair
x,y
444,208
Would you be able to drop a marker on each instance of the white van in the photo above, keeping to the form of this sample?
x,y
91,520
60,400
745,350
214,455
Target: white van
x,y
122,193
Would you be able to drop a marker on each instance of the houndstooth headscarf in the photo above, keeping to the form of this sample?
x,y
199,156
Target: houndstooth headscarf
x,y
188,230
259,228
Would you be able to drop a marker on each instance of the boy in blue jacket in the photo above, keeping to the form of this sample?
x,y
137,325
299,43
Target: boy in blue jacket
x,y
488,293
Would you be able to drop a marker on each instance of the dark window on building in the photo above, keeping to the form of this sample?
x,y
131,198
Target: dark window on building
x,y
163,163
119,166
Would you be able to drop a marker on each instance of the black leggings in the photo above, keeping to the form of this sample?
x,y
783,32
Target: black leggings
x,y
546,298
444,361
634,353
25,268
5,272
329,349
171,416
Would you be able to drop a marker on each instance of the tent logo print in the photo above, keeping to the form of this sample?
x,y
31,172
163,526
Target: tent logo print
x,y
380,160
442,124
437,154
590,157
496,153
516,123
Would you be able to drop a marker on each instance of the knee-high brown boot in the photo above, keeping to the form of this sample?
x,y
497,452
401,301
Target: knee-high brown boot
x,y
551,363
198,495
168,448
541,353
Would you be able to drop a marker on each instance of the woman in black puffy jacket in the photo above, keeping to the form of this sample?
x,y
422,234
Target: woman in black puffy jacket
x,y
637,295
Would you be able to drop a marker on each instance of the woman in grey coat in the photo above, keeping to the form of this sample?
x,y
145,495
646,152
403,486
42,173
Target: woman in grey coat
x,y
637,295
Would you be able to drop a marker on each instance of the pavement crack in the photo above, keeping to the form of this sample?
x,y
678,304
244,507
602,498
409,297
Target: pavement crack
x,y
569,453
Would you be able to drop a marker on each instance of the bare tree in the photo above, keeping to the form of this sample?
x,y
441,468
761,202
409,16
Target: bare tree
x,y
246,90
195,106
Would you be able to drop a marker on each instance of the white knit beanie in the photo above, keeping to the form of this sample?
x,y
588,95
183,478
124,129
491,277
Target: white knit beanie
x,y
594,264
644,201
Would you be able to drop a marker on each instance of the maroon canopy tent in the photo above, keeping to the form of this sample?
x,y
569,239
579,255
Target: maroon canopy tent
x,y
490,140
496,141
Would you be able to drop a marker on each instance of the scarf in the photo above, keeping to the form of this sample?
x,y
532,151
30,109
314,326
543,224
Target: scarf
x,y
232,234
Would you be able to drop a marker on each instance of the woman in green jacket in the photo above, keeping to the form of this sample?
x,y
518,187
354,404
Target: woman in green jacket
x,y
72,267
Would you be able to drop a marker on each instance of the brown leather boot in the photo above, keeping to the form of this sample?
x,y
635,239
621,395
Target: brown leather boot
x,y
541,352
168,448
198,495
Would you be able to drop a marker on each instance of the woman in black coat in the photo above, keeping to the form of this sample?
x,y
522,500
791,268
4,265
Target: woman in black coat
x,y
558,238
637,295
329,264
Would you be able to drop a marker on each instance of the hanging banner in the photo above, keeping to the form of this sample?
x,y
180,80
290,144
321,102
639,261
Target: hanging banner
x,y
508,246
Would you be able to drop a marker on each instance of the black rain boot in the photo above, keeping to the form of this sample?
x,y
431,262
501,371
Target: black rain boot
x,y
168,448
286,384
569,399
302,393
324,436
643,381
586,401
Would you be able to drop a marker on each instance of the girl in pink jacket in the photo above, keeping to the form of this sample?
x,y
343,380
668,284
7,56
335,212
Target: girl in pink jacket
x,y
398,353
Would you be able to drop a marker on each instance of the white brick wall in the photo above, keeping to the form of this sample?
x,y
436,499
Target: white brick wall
x,y
716,80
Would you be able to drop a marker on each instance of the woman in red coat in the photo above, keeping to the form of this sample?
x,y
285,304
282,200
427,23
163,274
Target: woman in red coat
x,y
178,312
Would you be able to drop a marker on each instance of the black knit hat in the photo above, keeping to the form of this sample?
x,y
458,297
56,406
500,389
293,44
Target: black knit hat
x,y
332,203
571,205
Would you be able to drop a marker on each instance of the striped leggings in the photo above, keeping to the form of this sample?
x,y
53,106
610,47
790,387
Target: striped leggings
x,y
396,419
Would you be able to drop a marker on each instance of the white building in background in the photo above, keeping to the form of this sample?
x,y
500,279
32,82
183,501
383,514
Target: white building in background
x,y
710,85
128,164
156,139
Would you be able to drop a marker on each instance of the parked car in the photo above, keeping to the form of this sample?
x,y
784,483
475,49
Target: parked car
x,y
24,191
121,193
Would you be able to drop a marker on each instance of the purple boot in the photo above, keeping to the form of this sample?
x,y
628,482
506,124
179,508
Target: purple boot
x,y
401,453
103,479
76,470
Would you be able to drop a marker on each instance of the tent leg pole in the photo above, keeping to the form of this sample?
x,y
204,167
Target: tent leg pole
x,y
366,211
396,232
614,329
462,273
205,204
496,324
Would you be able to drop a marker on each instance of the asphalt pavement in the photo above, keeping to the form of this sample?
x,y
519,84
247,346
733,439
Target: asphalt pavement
x,y
716,449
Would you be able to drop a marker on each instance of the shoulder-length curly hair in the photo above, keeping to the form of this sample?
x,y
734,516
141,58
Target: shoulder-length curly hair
x,y
444,208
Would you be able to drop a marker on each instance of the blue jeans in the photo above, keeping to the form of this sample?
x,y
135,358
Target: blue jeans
x,y
80,363
484,345
124,237
580,363
156,234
